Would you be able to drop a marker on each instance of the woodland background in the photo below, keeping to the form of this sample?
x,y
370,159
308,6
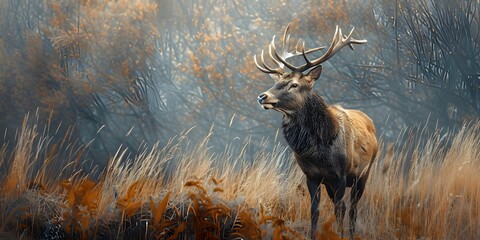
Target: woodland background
x,y
134,73
138,119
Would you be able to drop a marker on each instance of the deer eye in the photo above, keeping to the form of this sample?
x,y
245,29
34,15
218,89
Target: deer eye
x,y
294,85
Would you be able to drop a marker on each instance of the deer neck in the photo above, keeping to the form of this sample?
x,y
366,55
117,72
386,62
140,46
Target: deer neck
x,y
312,126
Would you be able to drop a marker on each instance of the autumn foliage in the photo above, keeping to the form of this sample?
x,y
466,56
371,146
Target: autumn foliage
x,y
416,186
117,119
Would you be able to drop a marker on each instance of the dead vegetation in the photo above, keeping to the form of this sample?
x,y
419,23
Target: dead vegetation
x,y
419,189
89,70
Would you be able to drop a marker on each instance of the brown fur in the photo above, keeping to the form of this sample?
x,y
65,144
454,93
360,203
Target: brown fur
x,y
360,140
333,146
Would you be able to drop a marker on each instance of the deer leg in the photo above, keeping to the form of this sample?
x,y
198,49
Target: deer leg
x,y
331,194
355,195
314,190
338,190
330,191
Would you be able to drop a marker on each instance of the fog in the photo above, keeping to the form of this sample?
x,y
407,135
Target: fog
x,y
133,74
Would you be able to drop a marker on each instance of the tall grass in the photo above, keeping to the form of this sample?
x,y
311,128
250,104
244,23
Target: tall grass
x,y
425,188
427,191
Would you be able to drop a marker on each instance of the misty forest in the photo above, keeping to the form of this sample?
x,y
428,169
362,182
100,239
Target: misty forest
x,y
139,119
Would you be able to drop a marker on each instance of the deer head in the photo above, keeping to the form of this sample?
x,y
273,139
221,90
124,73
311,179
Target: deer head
x,y
292,88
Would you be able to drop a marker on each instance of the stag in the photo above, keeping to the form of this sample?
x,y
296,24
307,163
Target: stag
x,y
333,146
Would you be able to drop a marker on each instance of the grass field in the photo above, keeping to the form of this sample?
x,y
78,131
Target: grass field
x,y
426,186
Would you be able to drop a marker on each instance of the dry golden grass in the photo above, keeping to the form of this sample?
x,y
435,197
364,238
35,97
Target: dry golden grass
x,y
428,190
432,193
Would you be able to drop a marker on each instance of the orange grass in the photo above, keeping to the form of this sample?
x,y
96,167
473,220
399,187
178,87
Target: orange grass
x,y
417,190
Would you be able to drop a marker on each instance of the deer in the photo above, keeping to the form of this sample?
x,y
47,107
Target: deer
x,y
333,146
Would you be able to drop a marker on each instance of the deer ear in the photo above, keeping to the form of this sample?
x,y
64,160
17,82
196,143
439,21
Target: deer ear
x,y
276,77
314,74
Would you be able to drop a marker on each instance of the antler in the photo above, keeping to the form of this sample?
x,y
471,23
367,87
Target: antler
x,y
339,41
280,59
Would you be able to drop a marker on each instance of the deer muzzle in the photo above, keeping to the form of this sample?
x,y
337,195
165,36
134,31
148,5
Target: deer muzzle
x,y
267,101
261,98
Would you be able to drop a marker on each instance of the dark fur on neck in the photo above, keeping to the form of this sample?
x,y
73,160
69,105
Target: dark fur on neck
x,y
311,129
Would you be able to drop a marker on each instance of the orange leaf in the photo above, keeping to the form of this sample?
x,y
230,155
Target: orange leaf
x,y
71,198
276,233
131,209
132,189
178,231
161,209
153,207
214,180
195,184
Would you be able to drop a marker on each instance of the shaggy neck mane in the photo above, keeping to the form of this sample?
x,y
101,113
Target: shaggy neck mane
x,y
312,126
